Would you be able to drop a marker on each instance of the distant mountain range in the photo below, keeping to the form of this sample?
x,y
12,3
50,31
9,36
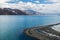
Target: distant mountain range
x,y
32,12
9,11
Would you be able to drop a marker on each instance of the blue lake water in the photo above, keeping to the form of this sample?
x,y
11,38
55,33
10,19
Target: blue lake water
x,y
12,27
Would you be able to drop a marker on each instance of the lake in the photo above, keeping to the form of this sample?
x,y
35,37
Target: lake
x,y
12,27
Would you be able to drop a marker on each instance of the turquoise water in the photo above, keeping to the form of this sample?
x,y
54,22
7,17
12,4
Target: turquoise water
x,y
12,27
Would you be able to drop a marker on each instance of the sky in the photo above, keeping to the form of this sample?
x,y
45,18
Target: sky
x,y
42,6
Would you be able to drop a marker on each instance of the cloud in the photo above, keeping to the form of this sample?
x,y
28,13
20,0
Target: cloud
x,y
3,1
42,8
55,1
51,8
5,5
37,1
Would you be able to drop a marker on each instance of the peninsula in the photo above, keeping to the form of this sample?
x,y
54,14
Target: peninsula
x,y
44,32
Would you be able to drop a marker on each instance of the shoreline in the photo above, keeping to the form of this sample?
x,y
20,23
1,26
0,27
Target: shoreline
x,y
42,33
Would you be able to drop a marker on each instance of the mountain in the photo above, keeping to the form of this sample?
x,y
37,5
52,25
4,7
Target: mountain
x,y
9,11
32,12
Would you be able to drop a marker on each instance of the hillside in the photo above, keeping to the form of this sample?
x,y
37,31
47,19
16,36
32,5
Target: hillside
x,y
9,11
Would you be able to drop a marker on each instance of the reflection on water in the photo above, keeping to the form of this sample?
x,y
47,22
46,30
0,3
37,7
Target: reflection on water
x,y
11,27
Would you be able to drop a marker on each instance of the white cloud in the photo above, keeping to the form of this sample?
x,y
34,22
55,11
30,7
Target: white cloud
x,y
36,1
51,8
3,1
42,8
4,5
56,1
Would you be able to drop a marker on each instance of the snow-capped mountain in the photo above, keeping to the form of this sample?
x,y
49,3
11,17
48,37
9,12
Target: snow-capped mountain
x,y
9,11
32,12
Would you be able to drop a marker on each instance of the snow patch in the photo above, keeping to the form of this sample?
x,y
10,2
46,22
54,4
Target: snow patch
x,y
57,28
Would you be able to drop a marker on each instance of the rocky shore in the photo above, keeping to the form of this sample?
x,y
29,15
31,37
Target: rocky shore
x,y
43,32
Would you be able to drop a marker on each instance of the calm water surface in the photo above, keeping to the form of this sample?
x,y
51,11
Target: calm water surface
x,y
11,27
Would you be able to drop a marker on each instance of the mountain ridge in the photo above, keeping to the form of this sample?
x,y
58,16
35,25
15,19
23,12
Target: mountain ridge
x,y
9,11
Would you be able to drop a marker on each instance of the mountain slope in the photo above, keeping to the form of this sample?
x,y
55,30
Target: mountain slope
x,y
9,11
